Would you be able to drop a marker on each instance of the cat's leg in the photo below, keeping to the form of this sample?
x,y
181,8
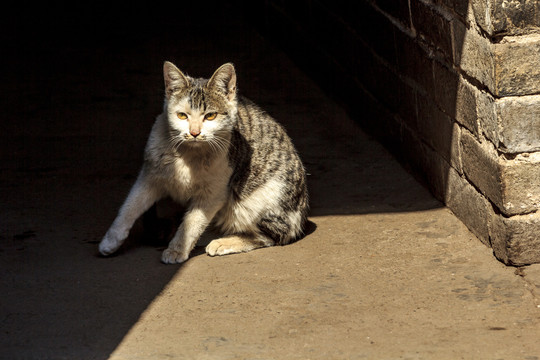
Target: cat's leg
x,y
195,222
141,197
238,243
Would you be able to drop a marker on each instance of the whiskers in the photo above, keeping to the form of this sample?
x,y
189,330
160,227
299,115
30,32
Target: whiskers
x,y
219,144
176,139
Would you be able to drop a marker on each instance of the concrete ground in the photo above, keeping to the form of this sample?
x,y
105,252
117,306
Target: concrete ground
x,y
386,271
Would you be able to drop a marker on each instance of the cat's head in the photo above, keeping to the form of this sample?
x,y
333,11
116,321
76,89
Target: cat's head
x,y
200,110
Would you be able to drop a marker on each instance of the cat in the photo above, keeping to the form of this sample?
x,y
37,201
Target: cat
x,y
227,160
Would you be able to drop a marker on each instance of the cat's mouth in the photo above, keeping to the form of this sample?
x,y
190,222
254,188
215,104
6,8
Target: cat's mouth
x,y
196,140
189,142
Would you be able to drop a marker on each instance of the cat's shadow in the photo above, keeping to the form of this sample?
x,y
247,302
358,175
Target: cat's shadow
x,y
310,228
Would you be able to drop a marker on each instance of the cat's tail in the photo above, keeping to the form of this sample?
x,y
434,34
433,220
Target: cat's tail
x,y
285,228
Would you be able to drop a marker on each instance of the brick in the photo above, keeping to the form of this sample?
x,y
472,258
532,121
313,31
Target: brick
x,y
349,11
432,26
398,9
521,184
375,29
455,159
516,69
519,124
414,63
480,164
483,14
473,53
382,124
512,185
466,107
439,131
487,116
407,108
468,205
380,81
515,239
427,163
435,170
507,68
509,17
413,150
445,87
459,6
456,96
383,85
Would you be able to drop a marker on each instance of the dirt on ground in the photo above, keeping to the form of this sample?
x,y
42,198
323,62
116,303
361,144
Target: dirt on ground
x,y
385,271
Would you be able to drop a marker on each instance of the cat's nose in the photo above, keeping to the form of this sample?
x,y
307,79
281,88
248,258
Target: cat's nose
x,y
194,133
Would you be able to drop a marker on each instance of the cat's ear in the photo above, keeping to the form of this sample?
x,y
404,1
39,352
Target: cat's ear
x,y
174,79
224,80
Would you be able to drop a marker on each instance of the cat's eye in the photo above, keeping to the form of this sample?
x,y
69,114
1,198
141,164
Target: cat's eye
x,y
210,116
181,115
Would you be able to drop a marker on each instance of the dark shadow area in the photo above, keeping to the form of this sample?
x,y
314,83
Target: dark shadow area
x,y
81,87
388,64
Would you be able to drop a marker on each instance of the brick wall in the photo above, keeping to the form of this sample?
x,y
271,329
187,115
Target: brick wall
x,y
452,87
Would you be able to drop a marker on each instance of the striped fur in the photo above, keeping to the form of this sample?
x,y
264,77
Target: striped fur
x,y
227,160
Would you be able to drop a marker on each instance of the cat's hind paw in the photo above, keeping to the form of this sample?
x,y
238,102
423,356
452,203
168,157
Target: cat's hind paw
x,y
171,256
230,245
218,248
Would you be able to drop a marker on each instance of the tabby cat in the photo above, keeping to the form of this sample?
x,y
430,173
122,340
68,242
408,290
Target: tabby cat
x,y
228,161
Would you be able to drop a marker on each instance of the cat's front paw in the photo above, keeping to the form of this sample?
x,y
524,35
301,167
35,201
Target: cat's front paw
x,y
171,256
109,244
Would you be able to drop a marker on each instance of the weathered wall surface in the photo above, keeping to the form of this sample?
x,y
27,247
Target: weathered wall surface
x,y
452,87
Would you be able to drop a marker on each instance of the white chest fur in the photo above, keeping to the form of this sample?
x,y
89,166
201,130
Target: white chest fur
x,y
202,179
194,172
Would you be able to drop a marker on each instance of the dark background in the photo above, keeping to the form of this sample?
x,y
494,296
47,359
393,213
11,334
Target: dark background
x,y
80,87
